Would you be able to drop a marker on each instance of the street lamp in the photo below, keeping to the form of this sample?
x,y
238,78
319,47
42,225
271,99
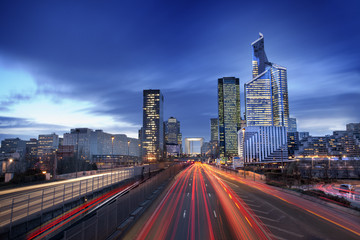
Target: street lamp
x,y
112,145
112,153
77,149
128,142
139,152
10,161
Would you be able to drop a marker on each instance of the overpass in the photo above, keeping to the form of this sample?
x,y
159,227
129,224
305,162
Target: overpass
x,y
25,208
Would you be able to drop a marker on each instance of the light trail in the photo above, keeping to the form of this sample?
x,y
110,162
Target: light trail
x,y
318,211
243,221
165,223
57,223
150,223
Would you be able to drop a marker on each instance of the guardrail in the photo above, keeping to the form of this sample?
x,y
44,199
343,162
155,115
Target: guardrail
x,y
119,213
23,206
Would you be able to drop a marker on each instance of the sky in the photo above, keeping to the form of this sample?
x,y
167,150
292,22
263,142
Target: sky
x,y
68,64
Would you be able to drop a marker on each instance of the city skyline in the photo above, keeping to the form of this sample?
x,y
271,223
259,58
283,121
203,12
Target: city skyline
x,y
65,66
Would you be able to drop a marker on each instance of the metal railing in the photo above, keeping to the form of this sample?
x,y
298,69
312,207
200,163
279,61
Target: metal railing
x,y
33,202
108,219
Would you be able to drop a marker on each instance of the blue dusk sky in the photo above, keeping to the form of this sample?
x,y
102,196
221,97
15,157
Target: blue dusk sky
x,y
67,64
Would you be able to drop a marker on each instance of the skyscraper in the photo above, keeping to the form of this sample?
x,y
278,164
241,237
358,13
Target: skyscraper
x,y
266,95
153,126
292,125
214,127
173,137
229,115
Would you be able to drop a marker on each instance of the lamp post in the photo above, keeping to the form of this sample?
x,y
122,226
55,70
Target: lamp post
x,y
243,149
139,152
77,149
112,152
128,142
10,161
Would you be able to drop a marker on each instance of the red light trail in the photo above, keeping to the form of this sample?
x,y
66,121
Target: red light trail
x,y
57,223
181,216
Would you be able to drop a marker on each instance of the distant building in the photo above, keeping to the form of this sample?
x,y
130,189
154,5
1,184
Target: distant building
x,y
303,135
214,149
65,151
214,129
293,143
173,137
189,145
153,126
47,144
88,143
292,125
341,144
31,152
206,149
172,130
344,144
12,145
313,146
81,139
14,149
263,143
354,128
266,95
133,147
229,115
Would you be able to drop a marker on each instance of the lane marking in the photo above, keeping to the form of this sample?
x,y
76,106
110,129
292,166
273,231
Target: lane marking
x,y
189,184
248,221
209,195
215,214
231,183
267,213
206,184
188,194
268,219
277,237
253,205
285,231
184,214
333,222
246,198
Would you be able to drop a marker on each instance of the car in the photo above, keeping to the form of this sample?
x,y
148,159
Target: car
x,y
346,188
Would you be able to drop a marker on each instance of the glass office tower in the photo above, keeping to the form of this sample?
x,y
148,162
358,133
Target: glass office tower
x,y
173,137
153,126
214,128
266,95
229,115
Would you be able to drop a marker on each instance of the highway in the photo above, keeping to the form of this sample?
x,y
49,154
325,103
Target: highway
x,y
192,208
20,203
205,202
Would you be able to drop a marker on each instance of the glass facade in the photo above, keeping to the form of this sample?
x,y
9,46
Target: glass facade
x,y
153,126
173,137
229,115
266,95
214,126
263,143
292,125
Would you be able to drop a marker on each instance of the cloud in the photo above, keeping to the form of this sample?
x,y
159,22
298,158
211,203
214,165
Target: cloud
x,y
13,122
13,99
322,115
106,54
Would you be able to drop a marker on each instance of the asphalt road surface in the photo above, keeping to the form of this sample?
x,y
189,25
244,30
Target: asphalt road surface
x,y
207,203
